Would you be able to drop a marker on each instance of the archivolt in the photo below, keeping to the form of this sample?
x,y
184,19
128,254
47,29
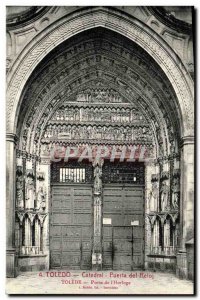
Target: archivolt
x,y
96,59
108,18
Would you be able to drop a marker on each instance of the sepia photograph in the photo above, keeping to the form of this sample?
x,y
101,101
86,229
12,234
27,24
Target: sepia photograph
x,y
100,141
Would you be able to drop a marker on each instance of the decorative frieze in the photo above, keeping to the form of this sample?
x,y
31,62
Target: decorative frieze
x,y
100,95
138,134
98,114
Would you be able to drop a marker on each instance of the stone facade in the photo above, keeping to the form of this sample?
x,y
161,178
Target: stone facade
x,y
82,77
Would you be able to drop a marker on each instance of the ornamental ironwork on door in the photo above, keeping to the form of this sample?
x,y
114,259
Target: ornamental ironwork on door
x,y
120,172
71,172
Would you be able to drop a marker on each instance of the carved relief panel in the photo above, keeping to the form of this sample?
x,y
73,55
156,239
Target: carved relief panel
x,y
109,121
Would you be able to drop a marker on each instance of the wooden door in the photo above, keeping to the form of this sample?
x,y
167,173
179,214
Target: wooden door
x,y
123,227
122,247
71,226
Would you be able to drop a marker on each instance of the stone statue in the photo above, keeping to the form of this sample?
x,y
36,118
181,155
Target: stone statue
x,y
19,192
175,194
97,164
41,199
30,193
164,196
154,196
175,201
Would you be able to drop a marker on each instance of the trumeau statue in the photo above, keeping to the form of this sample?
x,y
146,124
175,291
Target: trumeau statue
x,y
97,164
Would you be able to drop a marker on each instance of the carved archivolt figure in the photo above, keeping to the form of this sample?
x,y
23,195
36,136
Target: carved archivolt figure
x,y
41,198
164,196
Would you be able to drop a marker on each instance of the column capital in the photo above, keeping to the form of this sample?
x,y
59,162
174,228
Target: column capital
x,y
187,140
11,137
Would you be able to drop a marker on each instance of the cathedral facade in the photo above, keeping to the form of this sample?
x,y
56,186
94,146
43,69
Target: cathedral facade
x,y
100,139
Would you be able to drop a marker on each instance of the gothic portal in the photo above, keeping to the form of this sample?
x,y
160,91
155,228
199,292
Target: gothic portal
x,y
90,79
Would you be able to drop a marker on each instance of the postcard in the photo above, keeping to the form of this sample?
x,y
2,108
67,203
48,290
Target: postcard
x,y
100,150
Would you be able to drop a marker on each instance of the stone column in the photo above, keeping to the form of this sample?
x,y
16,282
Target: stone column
x,y
186,202
10,203
97,194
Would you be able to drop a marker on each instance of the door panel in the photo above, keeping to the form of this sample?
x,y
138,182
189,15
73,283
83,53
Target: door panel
x,y
123,239
71,227
138,247
122,244
107,246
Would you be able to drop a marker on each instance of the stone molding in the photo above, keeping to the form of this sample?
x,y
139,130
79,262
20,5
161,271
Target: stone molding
x,y
11,137
187,140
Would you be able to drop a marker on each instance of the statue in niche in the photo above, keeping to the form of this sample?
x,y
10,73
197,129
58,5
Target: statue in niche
x,y
41,199
19,192
30,193
164,196
154,196
175,193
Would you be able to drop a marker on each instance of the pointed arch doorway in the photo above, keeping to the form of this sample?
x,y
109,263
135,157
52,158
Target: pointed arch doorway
x,y
98,89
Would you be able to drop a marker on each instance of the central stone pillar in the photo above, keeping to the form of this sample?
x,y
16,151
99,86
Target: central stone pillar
x,y
97,197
